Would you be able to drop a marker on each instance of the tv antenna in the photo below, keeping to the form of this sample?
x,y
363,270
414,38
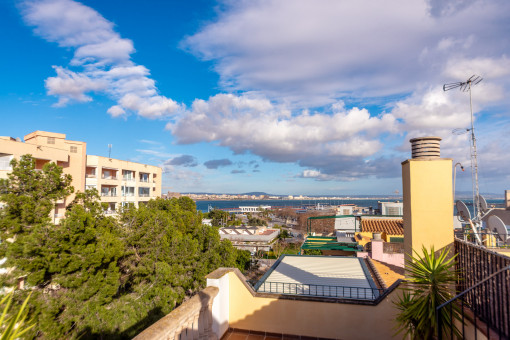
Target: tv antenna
x,y
465,86
109,151
464,216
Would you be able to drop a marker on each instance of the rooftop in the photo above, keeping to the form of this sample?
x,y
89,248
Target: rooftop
x,y
326,276
391,227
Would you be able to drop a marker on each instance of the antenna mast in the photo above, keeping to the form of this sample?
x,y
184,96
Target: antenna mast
x,y
466,86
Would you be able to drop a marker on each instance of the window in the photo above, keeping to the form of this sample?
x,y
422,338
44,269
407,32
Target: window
x,y
394,211
128,191
143,192
74,149
128,175
144,177
51,140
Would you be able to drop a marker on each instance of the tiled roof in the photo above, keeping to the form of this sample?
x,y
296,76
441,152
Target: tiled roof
x,y
390,227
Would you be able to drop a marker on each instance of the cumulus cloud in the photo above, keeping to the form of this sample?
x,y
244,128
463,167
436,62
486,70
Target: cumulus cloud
x,y
102,59
293,66
314,52
184,160
255,125
217,163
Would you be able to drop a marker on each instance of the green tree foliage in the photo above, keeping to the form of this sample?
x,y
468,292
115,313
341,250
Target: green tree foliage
x,y
256,221
30,195
243,260
219,217
429,280
94,276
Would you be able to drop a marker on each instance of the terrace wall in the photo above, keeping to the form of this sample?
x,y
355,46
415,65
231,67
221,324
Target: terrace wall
x,y
297,315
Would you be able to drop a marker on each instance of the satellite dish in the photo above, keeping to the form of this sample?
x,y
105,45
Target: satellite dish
x,y
463,211
483,203
497,226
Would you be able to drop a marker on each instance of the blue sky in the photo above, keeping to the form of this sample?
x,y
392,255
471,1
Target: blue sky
x,y
286,97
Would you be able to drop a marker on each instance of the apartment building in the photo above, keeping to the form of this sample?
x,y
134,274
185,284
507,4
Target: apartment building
x,y
122,183
48,147
118,182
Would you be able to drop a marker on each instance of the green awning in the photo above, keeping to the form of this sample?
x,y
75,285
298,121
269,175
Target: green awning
x,y
329,243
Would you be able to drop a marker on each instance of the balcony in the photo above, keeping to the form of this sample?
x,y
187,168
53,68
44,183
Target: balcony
x,y
237,306
143,195
114,178
144,180
128,179
109,194
90,176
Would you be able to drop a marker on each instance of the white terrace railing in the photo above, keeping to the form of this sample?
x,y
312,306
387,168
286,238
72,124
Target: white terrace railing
x,y
191,321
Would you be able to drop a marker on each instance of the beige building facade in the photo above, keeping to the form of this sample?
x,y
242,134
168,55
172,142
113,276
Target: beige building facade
x,y
118,182
121,183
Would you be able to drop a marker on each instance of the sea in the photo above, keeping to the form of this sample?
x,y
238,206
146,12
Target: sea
x,y
204,206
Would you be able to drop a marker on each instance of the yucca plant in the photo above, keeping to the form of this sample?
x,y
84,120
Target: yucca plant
x,y
13,326
429,280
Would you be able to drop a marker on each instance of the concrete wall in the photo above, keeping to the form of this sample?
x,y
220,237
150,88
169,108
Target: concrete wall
x,y
309,318
428,203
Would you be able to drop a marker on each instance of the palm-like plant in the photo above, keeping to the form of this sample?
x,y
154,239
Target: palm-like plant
x,y
13,326
429,280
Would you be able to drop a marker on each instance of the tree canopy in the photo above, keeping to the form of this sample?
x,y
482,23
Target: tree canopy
x,y
95,276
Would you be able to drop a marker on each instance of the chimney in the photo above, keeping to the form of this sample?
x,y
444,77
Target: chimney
x,y
426,147
427,190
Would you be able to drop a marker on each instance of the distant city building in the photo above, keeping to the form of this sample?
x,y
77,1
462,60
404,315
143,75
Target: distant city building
x,y
391,208
249,209
252,238
118,182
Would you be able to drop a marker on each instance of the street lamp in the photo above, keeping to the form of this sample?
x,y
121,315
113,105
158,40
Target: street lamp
x,y
454,176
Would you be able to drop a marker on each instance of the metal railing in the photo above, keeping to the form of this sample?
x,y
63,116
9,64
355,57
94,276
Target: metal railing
x,y
483,288
344,292
486,304
489,239
109,177
109,194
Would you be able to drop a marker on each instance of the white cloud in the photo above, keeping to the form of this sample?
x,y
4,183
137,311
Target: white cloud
x,y
256,126
314,52
103,57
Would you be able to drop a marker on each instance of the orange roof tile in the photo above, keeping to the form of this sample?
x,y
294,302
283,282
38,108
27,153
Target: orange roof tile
x,y
390,227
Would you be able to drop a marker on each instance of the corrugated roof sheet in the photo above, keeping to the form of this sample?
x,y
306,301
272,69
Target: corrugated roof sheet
x,y
390,227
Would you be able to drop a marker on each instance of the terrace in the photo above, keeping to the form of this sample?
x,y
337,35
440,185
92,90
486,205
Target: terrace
x,y
311,297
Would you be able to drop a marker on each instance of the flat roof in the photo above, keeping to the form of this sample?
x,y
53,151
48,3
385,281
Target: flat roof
x,y
323,276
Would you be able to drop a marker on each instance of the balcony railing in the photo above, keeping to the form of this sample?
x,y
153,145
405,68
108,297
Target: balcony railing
x,y
90,175
144,195
109,177
192,320
483,288
128,179
144,180
344,292
109,194
486,305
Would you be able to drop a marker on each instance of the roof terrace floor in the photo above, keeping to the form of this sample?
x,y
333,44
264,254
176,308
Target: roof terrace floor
x,y
241,334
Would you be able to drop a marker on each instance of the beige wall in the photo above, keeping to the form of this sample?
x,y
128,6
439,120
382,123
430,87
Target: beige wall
x,y
50,147
428,203
110,174
306,318
72,157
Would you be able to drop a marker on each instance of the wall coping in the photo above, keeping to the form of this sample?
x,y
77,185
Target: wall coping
x,y
174,321
220,272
